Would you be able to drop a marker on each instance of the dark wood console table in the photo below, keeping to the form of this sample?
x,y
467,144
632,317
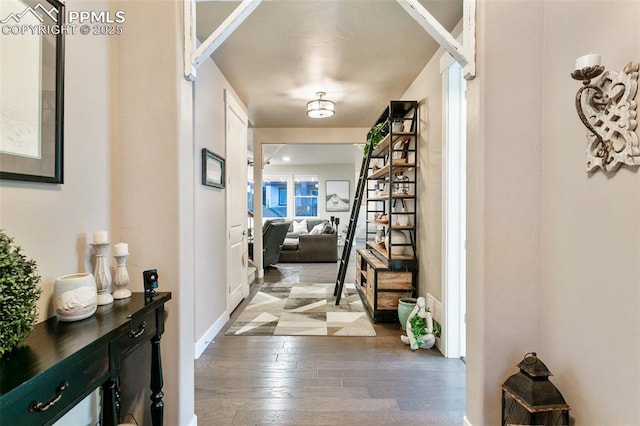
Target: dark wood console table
x,y
61,363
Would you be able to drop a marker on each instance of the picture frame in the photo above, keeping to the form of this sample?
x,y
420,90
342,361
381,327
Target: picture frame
x,y
31,141
337,196
213,169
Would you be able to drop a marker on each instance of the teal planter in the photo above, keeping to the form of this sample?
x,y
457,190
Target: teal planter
x,y
405,306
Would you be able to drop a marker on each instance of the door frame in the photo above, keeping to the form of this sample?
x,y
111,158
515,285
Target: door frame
x,y
454,207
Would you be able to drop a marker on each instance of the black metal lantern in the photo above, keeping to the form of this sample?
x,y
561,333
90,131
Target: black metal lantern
x,y
529,398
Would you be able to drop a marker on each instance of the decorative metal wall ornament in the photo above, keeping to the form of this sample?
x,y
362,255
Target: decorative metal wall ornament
x,y
607,108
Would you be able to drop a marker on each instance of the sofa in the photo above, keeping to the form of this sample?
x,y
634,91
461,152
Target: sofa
x,y
304,244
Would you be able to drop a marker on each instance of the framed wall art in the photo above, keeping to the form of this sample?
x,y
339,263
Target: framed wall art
x,y
212,169
337,196
32,100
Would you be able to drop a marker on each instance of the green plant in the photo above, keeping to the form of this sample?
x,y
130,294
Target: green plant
x,y
437,328
19,293
419,327
375,135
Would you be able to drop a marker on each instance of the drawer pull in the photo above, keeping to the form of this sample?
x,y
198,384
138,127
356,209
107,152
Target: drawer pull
x,y
37,406
141,328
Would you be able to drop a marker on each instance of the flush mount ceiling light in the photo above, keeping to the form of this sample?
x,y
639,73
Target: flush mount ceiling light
x,y
320,108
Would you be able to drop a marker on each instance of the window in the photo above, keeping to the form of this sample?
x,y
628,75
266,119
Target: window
x,y
274,192
250,195
306,196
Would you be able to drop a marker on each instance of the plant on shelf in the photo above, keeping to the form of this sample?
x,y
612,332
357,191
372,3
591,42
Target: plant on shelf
x,y
375,135
19,293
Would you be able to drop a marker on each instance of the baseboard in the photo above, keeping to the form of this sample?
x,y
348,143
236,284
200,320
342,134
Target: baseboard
x,y
210,334
260,273
466,422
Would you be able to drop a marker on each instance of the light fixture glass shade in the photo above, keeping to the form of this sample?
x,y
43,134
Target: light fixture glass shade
x,y
320,108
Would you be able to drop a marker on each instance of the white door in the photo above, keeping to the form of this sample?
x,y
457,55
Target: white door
x,y
236,185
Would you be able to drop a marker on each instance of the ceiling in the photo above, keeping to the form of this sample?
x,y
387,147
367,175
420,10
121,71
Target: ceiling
x,y
362,53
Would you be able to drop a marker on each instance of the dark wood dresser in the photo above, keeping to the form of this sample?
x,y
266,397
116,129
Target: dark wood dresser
x,y
61,363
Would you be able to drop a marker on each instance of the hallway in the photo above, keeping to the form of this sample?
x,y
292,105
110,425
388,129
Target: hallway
x,y
312,380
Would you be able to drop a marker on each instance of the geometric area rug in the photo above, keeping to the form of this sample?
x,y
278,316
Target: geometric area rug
x,y
296,309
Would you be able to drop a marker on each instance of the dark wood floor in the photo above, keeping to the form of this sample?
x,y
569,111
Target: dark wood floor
x,y
316,380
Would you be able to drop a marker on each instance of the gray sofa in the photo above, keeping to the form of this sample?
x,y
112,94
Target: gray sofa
x,y
304,247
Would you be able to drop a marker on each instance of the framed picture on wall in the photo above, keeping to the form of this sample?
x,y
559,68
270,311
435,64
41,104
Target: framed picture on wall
x,y
337,196
31,105
212,169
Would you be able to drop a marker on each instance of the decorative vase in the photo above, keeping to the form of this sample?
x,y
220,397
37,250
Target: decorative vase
x,y
75,297
379,239
397,125
401,216
405,306
397,237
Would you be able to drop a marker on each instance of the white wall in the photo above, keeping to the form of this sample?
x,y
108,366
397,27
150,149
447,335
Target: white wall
x,y
427,90
590,241
54,223
552,251
210,212
156,179
503,193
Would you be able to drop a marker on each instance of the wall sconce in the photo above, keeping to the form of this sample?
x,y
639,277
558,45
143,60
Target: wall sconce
x,y
607,108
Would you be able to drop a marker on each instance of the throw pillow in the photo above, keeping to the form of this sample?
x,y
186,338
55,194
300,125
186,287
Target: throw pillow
x,y
300,227
327,228
317,230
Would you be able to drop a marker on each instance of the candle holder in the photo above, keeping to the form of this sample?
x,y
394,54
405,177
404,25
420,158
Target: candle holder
x,y
607,108
122,278
102,273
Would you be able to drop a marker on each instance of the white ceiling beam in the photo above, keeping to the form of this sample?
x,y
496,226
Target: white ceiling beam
x,y
226,28
469,37
463,54
189,13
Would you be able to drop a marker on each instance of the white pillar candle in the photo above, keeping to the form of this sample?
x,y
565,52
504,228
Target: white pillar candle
x,y
100,237
122,249
589,60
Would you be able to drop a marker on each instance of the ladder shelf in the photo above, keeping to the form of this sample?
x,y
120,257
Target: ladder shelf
x,y
387,267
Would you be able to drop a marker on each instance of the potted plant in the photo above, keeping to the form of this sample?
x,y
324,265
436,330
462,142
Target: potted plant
x,y
375,135
19,293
